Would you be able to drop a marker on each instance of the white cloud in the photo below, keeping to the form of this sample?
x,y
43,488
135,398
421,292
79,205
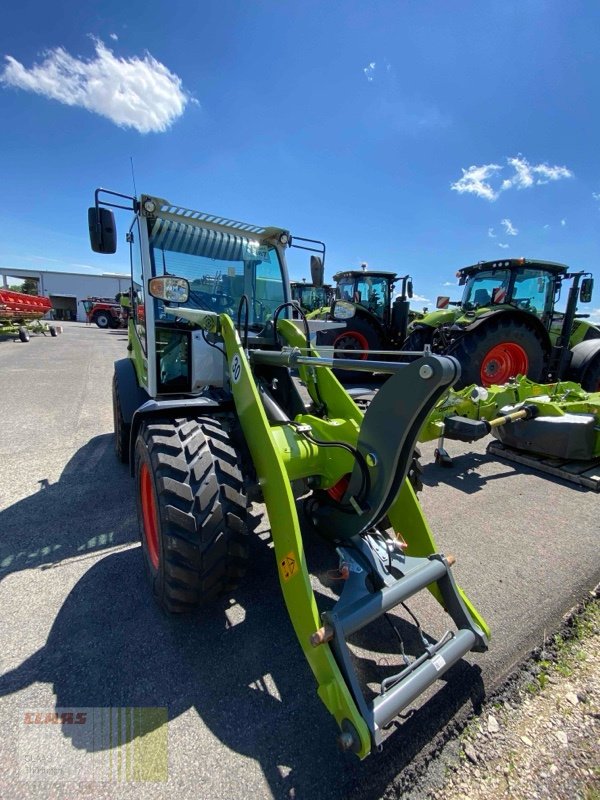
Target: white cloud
x,y
418,298
370,71
595,316
134,92
503,246
596,195
450,283
563,223
509,228
491,233
114,37
526,174
475,179
546,227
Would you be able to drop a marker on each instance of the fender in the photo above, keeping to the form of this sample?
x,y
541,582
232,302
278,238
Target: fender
x,y
131,394
177,407
528,319
584,354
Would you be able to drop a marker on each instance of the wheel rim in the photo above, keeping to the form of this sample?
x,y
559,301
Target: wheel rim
x,y
352,340
503,362
149,515
337,491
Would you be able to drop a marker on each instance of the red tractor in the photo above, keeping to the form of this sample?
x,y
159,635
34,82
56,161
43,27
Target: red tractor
x,y
104,311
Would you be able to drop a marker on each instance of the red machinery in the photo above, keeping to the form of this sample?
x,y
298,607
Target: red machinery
x,y
21,314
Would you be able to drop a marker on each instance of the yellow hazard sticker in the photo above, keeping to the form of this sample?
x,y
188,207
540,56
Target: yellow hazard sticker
x,y
289,566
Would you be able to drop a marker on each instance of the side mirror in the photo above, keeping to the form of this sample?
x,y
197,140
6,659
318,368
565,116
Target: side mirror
x,y
442,302
343,310
169,289
409,289
103,233
317,271
587,287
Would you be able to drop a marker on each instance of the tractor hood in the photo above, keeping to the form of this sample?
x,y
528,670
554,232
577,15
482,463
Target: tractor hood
x,y
444,316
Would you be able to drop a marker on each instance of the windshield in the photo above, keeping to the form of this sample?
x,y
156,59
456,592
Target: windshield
x,y
220,267
310,297
486,289
368,291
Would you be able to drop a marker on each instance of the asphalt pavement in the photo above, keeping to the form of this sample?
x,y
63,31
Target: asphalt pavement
x,y
79,629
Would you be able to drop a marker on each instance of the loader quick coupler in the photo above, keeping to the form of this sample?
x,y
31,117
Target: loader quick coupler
x,y
380,572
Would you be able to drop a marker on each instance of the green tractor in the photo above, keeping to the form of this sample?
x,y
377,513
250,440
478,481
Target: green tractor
x,y
310,297
373,323
223,398
507,324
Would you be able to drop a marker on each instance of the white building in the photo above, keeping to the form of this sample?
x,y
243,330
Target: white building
x,y
66,290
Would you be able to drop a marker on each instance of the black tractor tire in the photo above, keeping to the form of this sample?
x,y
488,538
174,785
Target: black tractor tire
x,y
511,336
418,339
23,334
591,377
102,319
122,429
192,511
52,330
359,334
114,322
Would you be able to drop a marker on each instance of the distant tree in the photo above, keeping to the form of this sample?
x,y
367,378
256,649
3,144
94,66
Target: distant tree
x,y
30,286
16,287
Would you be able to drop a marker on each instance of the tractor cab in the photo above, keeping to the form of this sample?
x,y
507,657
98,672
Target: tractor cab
x,y
193,267
309,296
371,290
530,286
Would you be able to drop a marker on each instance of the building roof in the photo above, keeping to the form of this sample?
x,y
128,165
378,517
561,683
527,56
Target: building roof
x,y
18,271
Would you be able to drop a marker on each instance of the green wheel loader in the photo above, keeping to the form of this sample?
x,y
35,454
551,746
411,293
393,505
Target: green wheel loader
x,y
223,396
507,324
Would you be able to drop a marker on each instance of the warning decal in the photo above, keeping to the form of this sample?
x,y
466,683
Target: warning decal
x,y
289,566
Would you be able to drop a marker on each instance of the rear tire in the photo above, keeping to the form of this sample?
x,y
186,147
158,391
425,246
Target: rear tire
x,y
191,509
52,330
122,429
358,335
23,334
591,378
499,350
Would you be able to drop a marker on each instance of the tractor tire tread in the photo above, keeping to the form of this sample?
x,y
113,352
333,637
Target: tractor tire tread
x,y
202,510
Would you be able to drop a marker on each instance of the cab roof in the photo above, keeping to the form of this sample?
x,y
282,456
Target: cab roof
x,y
514,263
360,273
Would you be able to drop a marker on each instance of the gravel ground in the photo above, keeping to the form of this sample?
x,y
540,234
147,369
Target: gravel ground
x,y
540,737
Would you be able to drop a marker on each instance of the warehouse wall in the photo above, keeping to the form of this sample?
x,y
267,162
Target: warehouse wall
x,y
66,290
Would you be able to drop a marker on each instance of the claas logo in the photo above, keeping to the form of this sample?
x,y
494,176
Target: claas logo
x,y
50,718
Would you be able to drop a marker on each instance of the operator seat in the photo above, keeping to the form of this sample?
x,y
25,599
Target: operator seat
x,y
482,297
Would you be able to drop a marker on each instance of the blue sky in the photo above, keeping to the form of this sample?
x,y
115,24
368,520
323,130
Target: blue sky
x,y
416,136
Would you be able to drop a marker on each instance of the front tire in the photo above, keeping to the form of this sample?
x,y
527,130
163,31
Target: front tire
x,y
102,320
191,509
497,351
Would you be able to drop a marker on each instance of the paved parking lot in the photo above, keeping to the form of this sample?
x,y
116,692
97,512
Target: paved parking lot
x,y
78,627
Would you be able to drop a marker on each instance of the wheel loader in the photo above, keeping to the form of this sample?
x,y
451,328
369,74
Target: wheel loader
x,y
222,398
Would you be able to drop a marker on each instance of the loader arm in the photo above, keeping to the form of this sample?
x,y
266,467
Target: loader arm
x,y
283,451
